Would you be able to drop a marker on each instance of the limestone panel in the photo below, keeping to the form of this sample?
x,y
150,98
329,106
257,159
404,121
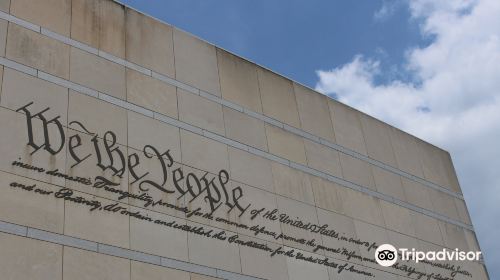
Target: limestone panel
x,y
357,171
238,81
245,129
158,53
250,169
202,277
144,131
29,208
326,195
278,98
453,236
426,228
151,93
292,183
344,226
98,73
5,5
444,204
471,238
51,14
258,263
85,21
370,234
397,218
378,141
406,152
463,213
98,225
112,28
213,252
85,265
38,51
299,269
141,271
3,35
156,239
196,62
347,126
203,153
200,112
285,144
417,194
361,206
451,174
13,147
19,89
433,164
314,112
388,183
297,211
399,240
323,158
22,258
98,116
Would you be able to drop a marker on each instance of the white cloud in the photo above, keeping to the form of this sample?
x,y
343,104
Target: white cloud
x,y
387,9
455,104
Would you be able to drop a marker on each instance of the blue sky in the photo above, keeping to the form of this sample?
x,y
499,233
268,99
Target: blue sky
x,y
429,67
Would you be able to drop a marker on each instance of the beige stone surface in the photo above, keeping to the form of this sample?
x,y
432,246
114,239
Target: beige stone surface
x,y
299,269
451,174
370,233
142,271
151,93
202,277
3,35
196,62
22,258
158,239
99,226
417,194
388,183
278,98
51,14
361,206
399,240
397,218
85,265
112,28
200,112
245,129
323,158
471,238
347,126
212,252
426,228
444,204
98,73
158,53
5,5
463,213
357,171
292,183
250,169
38,51
434,161
238,81
19,89
406,152
298,211
344,226
203,153
314,112
144,131
377,139
28,208
85,15
13,147
326,195
98,116
258,263
453,236
285,144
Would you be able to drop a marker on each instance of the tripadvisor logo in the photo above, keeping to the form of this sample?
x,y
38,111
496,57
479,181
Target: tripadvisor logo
x,y
387,255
